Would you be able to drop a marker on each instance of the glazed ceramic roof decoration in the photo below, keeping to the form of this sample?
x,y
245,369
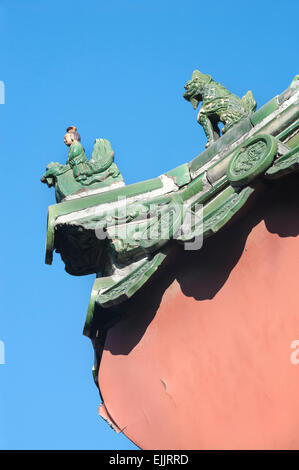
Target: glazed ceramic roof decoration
x,y
121,233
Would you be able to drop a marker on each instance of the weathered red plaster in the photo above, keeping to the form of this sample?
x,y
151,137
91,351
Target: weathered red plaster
x,y
203,357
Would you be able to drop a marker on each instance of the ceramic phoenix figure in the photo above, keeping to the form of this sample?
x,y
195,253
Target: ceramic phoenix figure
x,y
79,173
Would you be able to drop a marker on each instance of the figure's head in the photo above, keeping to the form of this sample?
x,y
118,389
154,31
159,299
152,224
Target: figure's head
x,y
194,88
71,136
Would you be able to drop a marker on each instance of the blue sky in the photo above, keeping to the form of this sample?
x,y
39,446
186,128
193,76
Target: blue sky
x,y
115,70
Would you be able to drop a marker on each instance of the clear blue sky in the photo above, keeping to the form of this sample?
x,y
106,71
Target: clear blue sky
x,y
115,70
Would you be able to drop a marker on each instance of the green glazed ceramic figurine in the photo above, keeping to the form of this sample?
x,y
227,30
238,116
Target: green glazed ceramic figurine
x,y
79,172
218,104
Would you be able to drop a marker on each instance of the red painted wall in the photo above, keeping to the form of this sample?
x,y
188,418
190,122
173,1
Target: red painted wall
x,y
202,359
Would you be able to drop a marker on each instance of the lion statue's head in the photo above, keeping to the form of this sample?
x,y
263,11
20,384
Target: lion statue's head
x,y
194,87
